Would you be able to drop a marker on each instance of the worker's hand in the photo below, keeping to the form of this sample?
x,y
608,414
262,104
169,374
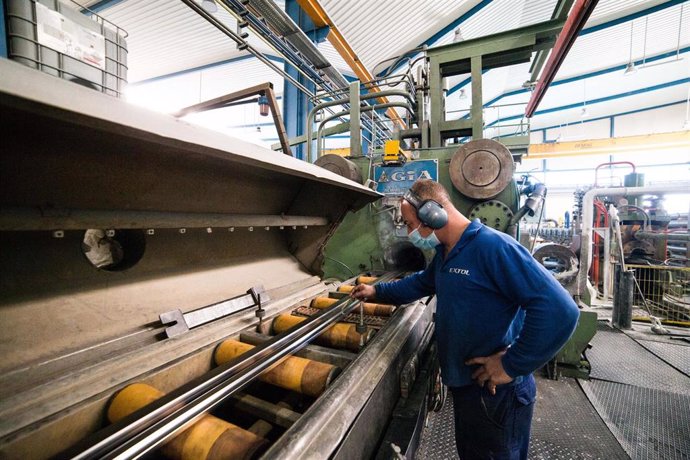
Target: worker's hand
x,y
363,291
490,372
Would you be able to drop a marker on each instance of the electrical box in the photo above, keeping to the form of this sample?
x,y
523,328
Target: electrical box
x,y
392,153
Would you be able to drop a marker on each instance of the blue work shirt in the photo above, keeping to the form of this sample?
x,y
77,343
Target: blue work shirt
x,y
491,294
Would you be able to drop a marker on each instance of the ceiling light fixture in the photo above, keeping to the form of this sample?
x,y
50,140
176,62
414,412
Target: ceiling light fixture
x,y
209,6
630,68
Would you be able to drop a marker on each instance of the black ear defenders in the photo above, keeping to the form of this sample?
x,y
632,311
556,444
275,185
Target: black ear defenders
x,y
429,212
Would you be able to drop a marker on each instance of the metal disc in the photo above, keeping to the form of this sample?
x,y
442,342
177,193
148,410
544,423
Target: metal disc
x,y
340,166
494,213
481,168
559,260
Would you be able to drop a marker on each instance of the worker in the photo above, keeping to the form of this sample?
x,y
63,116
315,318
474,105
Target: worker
x,y
500,316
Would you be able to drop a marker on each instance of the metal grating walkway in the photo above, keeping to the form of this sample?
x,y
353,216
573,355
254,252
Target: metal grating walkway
x,y
677,356
649,423
438,438
579,435
637,405
565,425
619,358
641,389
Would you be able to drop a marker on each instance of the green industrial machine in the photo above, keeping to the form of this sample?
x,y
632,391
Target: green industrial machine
x,y
478,174
375,239
571,360
430,142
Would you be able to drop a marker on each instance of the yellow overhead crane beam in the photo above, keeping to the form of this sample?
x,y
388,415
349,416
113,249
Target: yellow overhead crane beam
x,y
613,145
320,19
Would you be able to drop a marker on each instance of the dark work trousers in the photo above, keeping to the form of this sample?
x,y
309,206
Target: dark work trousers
x,y
496,426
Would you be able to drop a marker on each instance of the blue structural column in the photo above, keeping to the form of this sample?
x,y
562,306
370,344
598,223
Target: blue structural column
x,y
3,31
296,104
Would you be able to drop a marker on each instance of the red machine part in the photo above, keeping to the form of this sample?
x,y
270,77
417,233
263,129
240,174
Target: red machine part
x,y
596,250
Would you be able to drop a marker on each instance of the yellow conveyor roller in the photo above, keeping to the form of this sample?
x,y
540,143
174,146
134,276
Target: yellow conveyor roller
x,y
209,438
302,375
340,335
375,309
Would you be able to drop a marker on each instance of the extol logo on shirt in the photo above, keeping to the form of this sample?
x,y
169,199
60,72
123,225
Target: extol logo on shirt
x,y
459,271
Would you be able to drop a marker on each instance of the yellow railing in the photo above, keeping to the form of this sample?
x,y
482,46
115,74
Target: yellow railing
x,y
666,291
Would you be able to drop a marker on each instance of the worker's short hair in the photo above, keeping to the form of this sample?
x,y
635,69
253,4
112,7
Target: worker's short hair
x,y
427,189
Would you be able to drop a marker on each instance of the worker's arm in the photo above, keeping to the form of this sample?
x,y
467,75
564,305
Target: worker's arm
x,y
413,287
550,313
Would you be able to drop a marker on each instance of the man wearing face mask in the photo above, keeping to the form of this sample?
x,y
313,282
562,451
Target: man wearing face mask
x,y
500,316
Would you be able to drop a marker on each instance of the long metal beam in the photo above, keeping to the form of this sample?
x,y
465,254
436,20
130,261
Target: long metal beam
x,y
321,19
559,12
649,142
575,22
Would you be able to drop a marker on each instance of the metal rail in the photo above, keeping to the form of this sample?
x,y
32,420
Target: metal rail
x,y
344,101
404,105
263,17
178,410
237,39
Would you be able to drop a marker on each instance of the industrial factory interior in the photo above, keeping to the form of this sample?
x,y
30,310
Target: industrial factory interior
x,y
345,229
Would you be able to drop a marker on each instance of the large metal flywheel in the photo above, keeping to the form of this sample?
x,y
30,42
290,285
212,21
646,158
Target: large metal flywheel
x,y
481,169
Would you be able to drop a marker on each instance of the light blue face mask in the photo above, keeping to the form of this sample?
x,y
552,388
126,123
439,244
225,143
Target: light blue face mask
x,y
424,243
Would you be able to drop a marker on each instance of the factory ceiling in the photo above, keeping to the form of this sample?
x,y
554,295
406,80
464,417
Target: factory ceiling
x,y
172,50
